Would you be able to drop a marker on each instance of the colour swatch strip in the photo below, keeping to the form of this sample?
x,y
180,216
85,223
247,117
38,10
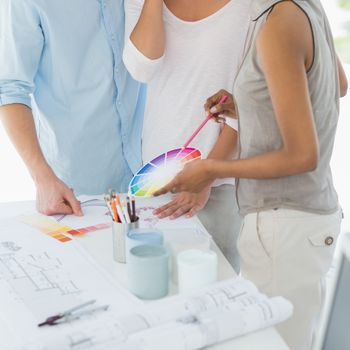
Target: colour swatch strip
x,y
83,230
56,230
47,226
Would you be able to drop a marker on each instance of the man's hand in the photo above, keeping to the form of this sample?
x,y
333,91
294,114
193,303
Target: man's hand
x,y
54,197
184,203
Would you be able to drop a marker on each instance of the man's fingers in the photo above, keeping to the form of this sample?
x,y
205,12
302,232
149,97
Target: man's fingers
x,y
56,208
63,208
73,203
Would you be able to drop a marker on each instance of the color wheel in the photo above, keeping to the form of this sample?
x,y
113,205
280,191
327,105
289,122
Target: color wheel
x,y
161,170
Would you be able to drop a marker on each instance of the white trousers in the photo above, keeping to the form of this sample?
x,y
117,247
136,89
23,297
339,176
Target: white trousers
x,y
221,218
288,253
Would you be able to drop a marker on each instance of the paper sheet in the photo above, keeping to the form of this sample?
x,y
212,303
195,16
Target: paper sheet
x,y
40,277
96,217
221,295
212,328
218,313
95,212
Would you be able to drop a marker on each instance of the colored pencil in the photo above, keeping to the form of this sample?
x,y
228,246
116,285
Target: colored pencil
x,y
210,115
133,209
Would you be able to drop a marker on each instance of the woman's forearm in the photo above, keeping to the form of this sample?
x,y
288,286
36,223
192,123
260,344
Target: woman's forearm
x,y
226,144
148,35
269,165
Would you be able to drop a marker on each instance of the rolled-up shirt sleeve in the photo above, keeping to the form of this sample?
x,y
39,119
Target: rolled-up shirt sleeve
x,y
21,45
139,66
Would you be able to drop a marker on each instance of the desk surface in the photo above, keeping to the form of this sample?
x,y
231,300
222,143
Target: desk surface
x,y
98,243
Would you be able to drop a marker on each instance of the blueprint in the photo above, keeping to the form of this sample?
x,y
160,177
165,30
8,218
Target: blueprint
x,y
40,277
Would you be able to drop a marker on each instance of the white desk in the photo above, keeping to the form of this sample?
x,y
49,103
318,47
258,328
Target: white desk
x,y
98,243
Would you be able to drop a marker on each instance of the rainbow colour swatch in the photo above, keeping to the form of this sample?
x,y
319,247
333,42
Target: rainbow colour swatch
x,y
80,231
56,230
161,170
47,226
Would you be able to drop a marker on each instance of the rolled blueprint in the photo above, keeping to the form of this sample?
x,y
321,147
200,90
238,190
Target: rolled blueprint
x,y
213,327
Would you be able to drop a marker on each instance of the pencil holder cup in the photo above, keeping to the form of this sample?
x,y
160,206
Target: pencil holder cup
x,y
142,236
119,232
196,269
148,271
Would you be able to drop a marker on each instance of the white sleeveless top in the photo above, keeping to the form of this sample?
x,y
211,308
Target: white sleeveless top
x,y
258,130
200,58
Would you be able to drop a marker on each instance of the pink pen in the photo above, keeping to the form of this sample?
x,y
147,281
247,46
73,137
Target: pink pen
x,y
210,115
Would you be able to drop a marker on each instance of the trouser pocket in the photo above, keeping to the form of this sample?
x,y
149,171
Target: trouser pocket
x,y
322,246
255,247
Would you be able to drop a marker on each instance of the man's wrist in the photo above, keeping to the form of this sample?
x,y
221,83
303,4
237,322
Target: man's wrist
x,y
41,173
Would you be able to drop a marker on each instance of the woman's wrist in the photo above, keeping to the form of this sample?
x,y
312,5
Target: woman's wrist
x,y
148,35
220,169
153,3
210,168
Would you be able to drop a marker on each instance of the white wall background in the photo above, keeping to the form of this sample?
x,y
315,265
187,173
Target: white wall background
x,y
16,184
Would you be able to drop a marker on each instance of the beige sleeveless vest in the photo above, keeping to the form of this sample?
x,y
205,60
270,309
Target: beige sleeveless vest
x,y
258,130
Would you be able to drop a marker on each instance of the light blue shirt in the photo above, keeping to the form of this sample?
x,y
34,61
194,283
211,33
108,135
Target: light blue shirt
x,y
63,58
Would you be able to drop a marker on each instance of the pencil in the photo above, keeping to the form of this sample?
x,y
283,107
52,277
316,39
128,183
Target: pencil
x,y
129,208
108,204
126,214
120,210
115,211
210,115
133,209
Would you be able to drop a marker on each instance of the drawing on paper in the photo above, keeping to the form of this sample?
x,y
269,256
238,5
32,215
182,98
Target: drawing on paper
x,y
42,271
146,215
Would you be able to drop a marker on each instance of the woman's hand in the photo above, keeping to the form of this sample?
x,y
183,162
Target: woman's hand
x,y
221,110
184,203
195,176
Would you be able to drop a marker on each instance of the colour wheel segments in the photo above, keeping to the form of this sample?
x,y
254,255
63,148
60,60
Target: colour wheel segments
x,y
160,171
